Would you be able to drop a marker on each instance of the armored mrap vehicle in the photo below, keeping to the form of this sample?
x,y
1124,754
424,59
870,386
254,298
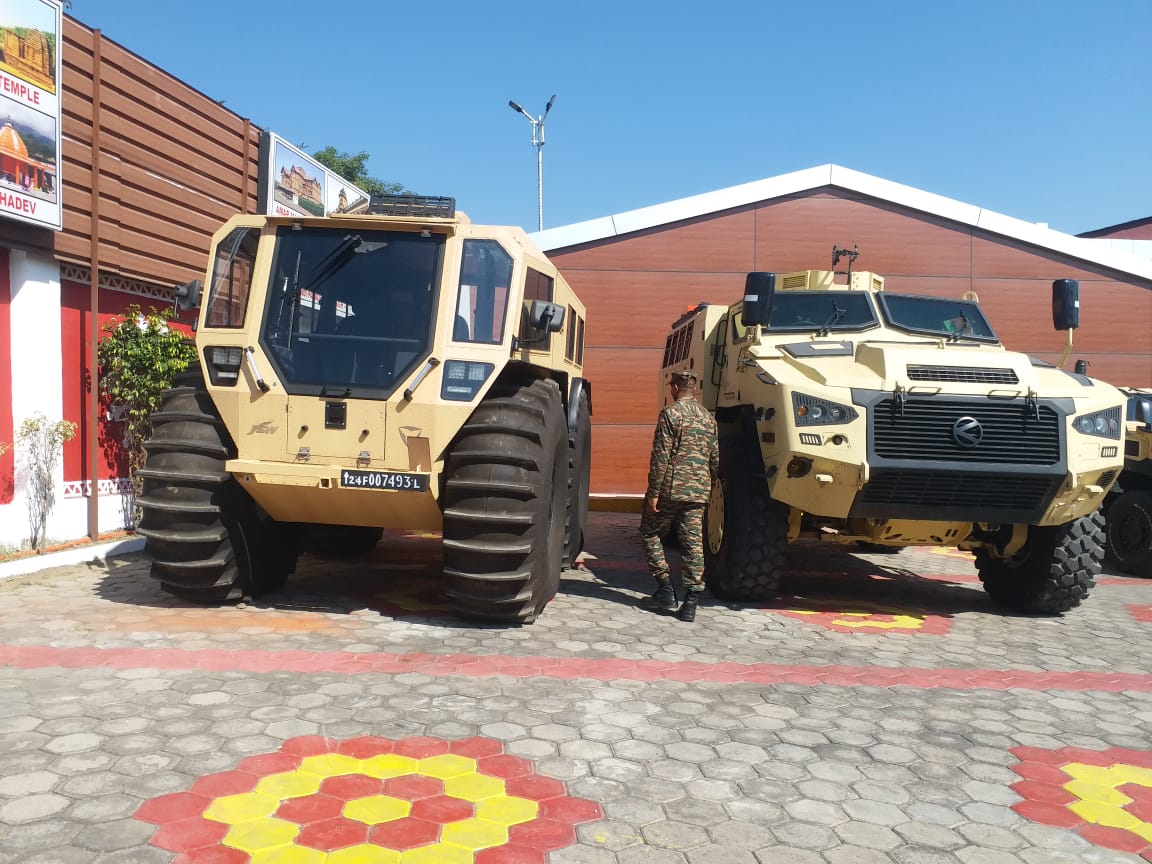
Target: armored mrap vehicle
x,y
850,414
1128,507
399,368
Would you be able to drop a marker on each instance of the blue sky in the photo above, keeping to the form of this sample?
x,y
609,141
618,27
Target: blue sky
x,y
1039,110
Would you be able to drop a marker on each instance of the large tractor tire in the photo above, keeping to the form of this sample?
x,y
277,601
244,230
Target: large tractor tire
x,y
505,497
1052,573
207,540
579,481
745,531
1129,532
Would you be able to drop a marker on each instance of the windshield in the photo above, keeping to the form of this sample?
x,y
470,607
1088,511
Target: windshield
x,y
821,310
350,310
954,319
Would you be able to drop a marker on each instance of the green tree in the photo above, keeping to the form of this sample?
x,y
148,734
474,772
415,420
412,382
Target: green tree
x,y
139,356
351,167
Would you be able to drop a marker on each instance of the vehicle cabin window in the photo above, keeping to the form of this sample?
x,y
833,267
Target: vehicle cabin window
x,y
537,286
350,311
232,278
678,346
937,316
816,310
580,344
570,346
482,300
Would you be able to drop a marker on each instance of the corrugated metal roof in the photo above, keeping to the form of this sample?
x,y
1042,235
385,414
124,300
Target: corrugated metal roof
x,y
658,215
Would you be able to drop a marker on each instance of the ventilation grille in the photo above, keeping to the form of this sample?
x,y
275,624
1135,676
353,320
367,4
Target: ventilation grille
x,y
979,496
1106,478
1009,432
963,374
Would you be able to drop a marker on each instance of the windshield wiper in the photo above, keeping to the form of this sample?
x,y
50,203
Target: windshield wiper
x,y
837,314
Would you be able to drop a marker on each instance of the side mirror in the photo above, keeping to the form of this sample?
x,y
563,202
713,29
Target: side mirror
x,y
1143,411
546,316
759,289
188,294
1065,304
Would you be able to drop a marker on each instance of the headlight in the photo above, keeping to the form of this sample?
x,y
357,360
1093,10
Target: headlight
x,y
463,379
223,364
811,411
1103,424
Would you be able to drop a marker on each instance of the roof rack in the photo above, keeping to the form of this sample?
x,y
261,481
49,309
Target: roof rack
x,y
413,205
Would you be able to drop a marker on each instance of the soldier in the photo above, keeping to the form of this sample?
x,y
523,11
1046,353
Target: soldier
x,y
685,461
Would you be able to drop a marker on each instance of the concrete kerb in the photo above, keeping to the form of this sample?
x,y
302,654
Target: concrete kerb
x,y
66,557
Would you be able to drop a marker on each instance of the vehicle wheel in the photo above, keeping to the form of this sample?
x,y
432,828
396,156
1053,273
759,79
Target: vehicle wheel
x,y
207,540
1129,532
745,531
579,480
344,542
1052,573
505,497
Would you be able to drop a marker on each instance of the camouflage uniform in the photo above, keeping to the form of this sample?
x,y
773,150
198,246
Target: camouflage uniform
x,y
685,460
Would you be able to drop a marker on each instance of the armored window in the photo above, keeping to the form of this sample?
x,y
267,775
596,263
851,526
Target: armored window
x,y
232,278
580,344
482,301
938,316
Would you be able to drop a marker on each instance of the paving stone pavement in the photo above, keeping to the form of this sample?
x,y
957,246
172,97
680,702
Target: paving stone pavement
x,y
882,710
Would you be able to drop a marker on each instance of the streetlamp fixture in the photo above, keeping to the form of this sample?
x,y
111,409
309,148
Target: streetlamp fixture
x,y
538,143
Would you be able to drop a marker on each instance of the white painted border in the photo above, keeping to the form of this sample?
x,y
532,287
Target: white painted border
x,y
1094,251
67,557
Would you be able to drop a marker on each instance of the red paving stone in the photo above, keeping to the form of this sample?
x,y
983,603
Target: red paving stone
x,y
40,657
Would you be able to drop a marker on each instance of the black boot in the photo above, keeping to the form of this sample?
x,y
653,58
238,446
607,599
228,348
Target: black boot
x,y
663,598
687,612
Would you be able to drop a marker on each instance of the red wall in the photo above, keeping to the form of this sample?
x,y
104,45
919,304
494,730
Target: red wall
x,y
74,323
75,320
7,461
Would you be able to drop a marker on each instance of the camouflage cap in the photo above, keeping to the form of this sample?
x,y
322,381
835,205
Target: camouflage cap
x,y
684,378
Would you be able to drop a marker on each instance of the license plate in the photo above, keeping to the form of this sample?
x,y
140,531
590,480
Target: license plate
x,y
393,480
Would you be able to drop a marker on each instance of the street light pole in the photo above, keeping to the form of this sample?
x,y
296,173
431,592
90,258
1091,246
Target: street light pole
x,y
538,143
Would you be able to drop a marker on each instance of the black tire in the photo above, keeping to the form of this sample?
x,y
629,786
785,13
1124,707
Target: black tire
x,y
579,481
1129,532
1052,573
207,540
745,531
505,496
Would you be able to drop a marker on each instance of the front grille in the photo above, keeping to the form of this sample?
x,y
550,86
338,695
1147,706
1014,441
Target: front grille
x,y
927,429
1106,478
962,374
951,495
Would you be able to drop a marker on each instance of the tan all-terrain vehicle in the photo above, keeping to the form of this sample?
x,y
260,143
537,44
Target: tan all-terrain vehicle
x,y
1128,507
849,414
400,368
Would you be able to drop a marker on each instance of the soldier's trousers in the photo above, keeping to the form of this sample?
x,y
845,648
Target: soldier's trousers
x,y
688,520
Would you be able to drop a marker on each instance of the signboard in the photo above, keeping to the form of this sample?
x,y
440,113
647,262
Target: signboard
x,y
30,40
292,183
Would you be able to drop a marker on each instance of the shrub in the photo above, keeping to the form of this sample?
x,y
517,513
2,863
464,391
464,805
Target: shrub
x,y
139,356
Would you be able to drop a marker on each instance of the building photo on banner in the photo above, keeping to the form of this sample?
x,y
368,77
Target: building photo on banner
x,y
30,105
295,184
